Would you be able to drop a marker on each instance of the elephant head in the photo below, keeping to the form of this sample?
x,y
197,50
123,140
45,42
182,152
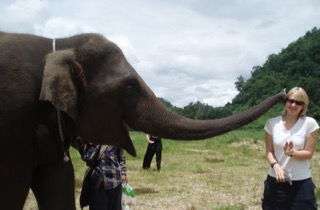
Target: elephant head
x,y
89,78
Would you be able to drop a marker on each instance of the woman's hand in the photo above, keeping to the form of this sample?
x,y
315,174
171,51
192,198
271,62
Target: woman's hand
x,y
281,174
288,148
124,179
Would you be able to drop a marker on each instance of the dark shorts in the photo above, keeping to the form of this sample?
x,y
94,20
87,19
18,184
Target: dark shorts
x,y
299,195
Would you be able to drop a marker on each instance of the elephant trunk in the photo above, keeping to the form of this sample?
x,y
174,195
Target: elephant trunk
x,y
158,120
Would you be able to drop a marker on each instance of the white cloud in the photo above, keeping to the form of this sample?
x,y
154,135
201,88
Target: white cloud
x,y
185,50
20,16
59,27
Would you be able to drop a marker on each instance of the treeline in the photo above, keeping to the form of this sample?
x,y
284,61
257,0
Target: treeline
x,y
296,65
198,110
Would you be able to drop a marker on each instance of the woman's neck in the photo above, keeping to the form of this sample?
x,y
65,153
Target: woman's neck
x,y
289,121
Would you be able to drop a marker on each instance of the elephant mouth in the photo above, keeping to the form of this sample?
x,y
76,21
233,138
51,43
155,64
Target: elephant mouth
x,y
129,147
127,144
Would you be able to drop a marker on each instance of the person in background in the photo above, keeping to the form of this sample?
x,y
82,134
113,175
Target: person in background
x,y
154,147
109,172
290,143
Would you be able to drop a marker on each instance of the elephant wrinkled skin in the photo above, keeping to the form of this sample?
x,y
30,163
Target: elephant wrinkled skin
x,y
98,92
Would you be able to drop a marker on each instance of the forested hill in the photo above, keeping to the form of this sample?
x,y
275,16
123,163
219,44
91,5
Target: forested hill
x,y
296,65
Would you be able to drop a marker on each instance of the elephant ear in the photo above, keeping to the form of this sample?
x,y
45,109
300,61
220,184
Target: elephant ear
x,y
58,85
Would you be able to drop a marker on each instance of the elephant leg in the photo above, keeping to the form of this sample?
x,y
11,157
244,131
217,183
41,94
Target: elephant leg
x,y
53,186
15,170
15,183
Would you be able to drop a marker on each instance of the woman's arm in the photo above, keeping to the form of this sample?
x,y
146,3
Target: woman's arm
x,y
279,172
308,150
269,149
148,139
122,162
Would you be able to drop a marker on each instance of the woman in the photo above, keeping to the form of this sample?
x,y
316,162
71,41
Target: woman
x,y
154,147
290,143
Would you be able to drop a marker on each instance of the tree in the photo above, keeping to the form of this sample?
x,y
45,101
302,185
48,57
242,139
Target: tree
x,y
240,83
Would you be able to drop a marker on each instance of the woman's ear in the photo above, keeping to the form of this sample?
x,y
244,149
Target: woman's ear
x,y
57,84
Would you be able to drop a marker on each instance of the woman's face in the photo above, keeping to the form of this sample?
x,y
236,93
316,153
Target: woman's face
x,y
294,105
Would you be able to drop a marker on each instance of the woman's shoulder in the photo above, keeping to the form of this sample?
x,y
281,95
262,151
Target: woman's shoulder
x,y
275,119
309,120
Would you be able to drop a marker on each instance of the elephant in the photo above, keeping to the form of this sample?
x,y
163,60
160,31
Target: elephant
x,y
82,85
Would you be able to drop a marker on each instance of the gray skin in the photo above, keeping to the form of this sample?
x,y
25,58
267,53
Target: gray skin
x,y
98,92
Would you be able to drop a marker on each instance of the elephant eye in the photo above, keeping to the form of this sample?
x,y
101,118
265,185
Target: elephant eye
x,y
132,89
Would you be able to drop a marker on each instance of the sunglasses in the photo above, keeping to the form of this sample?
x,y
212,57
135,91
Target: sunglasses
x,y
291,101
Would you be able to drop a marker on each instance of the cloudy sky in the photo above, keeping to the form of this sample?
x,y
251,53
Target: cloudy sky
x,y
185,50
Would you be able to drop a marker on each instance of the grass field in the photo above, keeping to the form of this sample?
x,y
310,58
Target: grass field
x,y
223,173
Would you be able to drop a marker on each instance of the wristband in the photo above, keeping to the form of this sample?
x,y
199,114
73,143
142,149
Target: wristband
x,y
272,164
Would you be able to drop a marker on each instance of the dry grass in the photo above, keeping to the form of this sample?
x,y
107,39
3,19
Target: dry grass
x,y
224,173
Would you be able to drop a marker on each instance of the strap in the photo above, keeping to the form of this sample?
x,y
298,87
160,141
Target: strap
x,y
58,111
53,45
102,149
90,170
65,158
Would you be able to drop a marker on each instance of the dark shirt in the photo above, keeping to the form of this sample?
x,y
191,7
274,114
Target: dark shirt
x,y
155,139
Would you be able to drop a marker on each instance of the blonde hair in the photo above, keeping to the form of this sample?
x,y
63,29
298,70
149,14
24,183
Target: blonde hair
x,y
301,95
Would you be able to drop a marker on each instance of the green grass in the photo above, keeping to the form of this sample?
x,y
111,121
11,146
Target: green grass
x,y
222,173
